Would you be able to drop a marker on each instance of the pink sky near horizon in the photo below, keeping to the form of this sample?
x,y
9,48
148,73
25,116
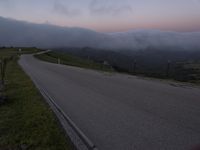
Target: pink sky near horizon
x,y
108,15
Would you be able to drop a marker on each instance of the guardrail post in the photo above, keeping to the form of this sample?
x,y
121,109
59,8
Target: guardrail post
x,y
58,60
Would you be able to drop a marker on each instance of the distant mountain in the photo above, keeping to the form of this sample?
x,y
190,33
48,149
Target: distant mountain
x,y
20,33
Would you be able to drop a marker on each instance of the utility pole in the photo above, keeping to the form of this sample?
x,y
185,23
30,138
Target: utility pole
x,y
168,68
134,66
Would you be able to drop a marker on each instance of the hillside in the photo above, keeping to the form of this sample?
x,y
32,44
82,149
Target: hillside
x,y
181,65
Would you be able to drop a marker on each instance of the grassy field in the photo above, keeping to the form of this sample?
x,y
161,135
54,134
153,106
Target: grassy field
x,y
67,59
7,52
188,72
183,72
26,121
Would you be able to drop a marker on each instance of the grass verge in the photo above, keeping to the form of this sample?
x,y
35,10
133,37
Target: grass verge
x,y
26,121
68,59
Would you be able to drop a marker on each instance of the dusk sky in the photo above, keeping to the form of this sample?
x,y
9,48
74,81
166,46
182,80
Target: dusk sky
x,y
108,15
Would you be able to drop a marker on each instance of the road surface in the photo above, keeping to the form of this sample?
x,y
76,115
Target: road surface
x,y
122,112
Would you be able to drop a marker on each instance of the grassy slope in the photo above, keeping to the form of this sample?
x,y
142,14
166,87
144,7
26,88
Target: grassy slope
x,y
72,61
25,119
187,72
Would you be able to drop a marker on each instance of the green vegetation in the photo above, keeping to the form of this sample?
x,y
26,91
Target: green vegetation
x,y
26,121
187,71
8,52
156,68
71,60
178,71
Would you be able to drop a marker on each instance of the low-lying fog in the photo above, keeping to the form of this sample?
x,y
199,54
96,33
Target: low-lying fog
x,y
19,33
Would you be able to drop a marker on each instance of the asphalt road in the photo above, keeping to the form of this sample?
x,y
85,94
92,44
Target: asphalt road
x,y
121,112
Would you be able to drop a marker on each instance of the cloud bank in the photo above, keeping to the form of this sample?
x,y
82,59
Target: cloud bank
x,y
18,33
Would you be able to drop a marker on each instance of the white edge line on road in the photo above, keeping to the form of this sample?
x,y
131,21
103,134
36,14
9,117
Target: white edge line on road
x,y
85,139
88,143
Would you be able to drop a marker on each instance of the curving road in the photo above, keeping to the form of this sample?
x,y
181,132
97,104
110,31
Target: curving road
x,y
121,112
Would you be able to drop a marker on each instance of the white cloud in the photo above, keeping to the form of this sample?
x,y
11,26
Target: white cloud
x,y
109,7
5,3
61,8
